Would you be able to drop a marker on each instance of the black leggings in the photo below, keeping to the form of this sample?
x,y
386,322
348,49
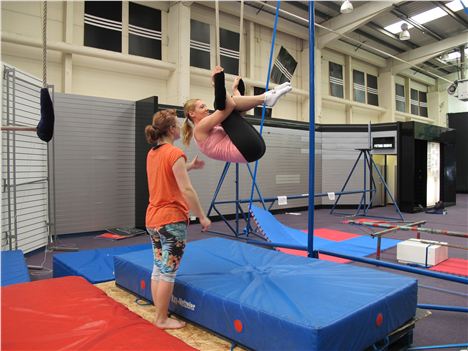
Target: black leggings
x,y
244,136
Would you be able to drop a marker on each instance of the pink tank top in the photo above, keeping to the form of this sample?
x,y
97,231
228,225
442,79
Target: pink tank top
x,y
218,146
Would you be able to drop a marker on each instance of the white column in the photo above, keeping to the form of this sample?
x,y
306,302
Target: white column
x,y
435,108
67,58
251,42
386,84
318,85
348,87
178,84
303,83
125,21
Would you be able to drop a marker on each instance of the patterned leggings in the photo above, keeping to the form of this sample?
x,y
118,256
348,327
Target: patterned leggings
x,y
168,248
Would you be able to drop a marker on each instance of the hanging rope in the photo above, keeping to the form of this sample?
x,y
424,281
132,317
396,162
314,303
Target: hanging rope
x,y
217,40
44,45
264,107
45,127
241,36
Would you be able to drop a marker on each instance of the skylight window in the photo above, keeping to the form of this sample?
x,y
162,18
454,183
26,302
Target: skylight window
x,y
429,15
455,55
457,5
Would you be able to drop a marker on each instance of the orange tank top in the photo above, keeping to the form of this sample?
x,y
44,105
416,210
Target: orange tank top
x,y
166,202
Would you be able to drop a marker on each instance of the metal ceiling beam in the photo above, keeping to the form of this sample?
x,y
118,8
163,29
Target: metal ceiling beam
x,y
343,24
331,5
375,27
452,14
383,31
403,16
368,35
424,53
378,40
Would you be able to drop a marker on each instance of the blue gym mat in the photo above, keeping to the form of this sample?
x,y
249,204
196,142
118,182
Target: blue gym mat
x,y
96,266
268,300
14,269
279,233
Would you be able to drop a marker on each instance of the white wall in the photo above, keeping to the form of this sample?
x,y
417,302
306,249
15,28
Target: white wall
x,y
124,76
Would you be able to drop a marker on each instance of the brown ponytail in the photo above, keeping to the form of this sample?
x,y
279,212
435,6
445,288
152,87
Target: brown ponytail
x,y
187,126
162,122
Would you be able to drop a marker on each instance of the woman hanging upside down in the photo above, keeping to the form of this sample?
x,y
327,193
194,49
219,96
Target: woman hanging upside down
x,y
225,135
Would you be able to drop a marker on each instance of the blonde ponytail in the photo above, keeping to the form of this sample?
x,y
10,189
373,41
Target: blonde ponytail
x,y
187,126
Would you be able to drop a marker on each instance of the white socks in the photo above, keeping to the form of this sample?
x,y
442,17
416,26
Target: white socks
x,y
272,96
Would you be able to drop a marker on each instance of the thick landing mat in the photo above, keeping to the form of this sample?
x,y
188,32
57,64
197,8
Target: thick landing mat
x,y
457,266
71,314
276,232
96,266
267,300
14,269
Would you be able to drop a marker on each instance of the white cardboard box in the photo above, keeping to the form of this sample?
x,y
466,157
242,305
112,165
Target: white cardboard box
x,y
428,252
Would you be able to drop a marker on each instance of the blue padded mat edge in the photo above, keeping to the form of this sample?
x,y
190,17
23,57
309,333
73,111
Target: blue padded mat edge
x,y
14,269
284,302
279,233
96,265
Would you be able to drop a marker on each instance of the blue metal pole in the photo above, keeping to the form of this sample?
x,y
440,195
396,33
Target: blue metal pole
x,y
400,267
433,347
443,308
310,227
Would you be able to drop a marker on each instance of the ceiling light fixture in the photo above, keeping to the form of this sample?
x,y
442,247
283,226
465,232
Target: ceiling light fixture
x,y
404,34
346,7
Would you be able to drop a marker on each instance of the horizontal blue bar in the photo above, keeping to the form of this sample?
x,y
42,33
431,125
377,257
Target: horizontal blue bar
x,y
444,308
400,267
433,347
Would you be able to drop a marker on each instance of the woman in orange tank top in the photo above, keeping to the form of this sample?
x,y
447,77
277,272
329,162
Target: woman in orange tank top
x,y
171,195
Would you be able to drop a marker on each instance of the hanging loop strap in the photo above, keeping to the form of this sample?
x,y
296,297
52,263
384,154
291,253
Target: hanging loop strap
x,y
44,44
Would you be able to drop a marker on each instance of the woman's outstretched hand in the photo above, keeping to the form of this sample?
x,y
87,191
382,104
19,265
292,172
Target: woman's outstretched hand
x,y
195,164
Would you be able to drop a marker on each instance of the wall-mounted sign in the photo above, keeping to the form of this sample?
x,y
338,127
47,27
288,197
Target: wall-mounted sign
x,y
383,143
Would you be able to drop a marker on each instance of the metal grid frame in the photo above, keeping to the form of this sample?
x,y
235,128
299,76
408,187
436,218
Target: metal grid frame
x,y
26,184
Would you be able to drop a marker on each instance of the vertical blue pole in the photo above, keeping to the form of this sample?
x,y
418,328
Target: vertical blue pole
x,y
310,227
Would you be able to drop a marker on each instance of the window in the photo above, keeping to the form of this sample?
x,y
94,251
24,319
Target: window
x,y
144,31
229,51
336,79
400,100
419,103
414,102
365,88
372,93
258,110
359,86
423,104
283,68
199,44
103,25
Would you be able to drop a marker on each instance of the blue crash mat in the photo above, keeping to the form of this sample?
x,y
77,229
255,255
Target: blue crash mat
x,y
278,233
96,266
268,300
14,269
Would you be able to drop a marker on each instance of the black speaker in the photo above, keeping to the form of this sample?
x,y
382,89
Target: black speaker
x,y
144,111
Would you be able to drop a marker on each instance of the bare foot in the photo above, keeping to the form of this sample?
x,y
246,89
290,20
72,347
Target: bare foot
x,y
170,323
